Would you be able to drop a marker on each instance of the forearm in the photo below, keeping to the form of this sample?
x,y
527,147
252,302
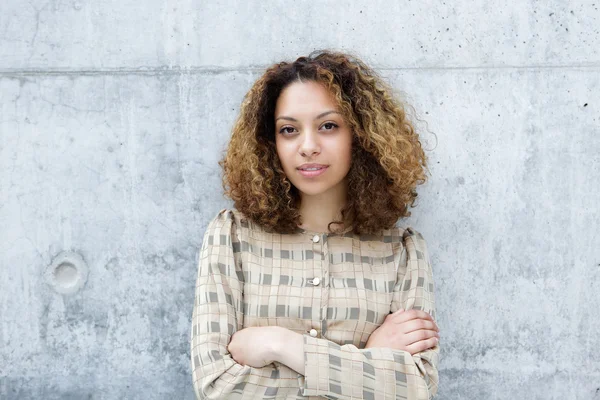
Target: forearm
x,y
393,372
289,350
346,372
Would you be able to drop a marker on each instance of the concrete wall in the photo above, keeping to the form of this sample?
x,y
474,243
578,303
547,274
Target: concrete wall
x,y
114,114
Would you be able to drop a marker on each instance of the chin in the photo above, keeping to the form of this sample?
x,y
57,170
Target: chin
x,y
312,190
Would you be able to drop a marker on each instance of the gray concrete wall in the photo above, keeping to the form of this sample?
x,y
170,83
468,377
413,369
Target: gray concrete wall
x,y
114,114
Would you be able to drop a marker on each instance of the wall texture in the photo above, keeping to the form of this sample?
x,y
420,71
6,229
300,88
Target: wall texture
x,y
114,114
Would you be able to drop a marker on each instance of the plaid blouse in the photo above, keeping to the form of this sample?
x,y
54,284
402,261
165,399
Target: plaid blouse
x,y
335,289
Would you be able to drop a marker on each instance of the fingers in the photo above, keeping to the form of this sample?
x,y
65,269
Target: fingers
x,y
417,324
422,345
420,335
401,317
414,314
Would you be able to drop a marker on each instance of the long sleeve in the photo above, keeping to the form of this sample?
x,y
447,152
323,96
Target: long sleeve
x,y
347,372
217,315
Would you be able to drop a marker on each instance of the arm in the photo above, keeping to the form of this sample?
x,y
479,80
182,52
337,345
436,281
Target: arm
x,y
217,315
345,372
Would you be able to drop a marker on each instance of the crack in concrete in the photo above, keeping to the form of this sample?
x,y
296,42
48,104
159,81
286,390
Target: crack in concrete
x,y
221,70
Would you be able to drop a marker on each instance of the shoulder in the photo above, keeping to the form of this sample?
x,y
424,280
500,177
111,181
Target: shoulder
x,y
222,224
399,238
227,214
414,243
395,235
230,221
222,230
411,234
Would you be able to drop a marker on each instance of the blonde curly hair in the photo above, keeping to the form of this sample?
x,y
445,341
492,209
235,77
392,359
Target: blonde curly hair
x,y
388,161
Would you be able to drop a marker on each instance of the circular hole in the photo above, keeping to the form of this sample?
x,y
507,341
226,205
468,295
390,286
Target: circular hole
x,y
66,274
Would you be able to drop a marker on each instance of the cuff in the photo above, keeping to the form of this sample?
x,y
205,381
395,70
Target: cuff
x,y
318,377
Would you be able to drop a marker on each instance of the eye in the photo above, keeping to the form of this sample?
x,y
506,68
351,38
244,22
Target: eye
x,y
330,124
283,130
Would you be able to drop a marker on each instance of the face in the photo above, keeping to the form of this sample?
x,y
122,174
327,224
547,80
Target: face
x,y
314,142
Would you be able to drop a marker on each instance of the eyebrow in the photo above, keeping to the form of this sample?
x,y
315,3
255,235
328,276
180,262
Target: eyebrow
x,y
317,117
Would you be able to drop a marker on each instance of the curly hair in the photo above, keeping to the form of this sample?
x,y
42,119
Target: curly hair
x,y
388,161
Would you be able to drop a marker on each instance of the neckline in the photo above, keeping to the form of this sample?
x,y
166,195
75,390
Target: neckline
x,y
312,233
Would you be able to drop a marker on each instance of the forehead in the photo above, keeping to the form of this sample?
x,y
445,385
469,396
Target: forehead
x,y
304,97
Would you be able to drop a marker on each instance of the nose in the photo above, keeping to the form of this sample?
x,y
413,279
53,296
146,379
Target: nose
x,y
310,145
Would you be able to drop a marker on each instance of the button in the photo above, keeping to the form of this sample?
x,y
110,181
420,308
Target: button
x,y
316,238
316,281
313,332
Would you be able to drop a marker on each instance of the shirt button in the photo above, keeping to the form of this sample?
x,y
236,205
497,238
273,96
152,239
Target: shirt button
x,y
316,281
313,332
316,238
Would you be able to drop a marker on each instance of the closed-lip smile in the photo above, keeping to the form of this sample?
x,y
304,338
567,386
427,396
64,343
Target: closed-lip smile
x,y
312,170
311,166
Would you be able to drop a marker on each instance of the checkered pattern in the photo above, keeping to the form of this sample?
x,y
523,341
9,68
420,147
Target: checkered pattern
x,y
250,277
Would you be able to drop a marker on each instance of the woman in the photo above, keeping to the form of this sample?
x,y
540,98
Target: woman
x,y
306,289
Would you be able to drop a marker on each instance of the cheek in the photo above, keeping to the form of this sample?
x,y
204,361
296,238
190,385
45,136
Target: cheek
x,y
283,155
347,153
348,160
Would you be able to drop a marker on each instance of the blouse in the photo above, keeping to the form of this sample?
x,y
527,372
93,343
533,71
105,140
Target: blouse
x,y
334,289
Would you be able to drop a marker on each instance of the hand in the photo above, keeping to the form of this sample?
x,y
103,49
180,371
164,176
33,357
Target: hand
x,y
253,346
412,331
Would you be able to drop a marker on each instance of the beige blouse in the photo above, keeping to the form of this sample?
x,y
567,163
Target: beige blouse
x,y
335,289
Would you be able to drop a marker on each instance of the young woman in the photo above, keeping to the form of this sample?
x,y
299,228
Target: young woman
x,y
306,289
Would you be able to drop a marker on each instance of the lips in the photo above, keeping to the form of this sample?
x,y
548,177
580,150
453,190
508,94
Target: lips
x,y
312,170
311,167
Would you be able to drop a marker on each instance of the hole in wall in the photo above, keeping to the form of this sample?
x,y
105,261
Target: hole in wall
x,y
67,273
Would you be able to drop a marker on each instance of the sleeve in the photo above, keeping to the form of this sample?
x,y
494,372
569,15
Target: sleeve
x,y
347,372
217,315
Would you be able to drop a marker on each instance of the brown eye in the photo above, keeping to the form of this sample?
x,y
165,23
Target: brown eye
x,y
284,131
330,124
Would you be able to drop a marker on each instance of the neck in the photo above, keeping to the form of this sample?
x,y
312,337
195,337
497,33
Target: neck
x,y
317,211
